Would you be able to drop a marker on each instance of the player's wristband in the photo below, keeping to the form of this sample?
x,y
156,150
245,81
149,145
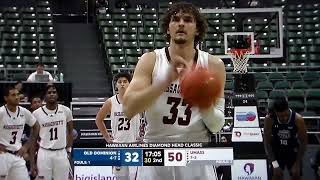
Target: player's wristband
x,y
275,164
213,117
69,149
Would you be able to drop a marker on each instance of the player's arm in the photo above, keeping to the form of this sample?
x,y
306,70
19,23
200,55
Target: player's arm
x,y
102,113
69,130
302,136
267,136
213,117
2,147
69,134
34,130
141,92
32,142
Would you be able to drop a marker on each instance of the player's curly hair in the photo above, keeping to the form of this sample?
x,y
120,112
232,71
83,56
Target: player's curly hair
x,y
280,104
122,75
50,85
185,7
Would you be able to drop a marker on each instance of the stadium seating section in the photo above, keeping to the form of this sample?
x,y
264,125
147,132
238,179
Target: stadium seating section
x,y
127,33
27,38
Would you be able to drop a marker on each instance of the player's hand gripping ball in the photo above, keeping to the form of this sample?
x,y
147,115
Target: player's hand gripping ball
x,y
199,87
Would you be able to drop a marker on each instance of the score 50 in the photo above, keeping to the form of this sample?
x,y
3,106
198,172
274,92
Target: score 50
x,y
175,158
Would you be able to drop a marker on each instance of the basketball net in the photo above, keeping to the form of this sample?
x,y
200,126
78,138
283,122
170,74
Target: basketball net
x,y
239,58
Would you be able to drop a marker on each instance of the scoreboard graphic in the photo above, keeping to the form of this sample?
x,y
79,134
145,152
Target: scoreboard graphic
x,y
153,154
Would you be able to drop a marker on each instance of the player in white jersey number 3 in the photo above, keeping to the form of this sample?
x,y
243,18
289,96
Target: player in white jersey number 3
x,y
55,137
124,130
12,121
155,89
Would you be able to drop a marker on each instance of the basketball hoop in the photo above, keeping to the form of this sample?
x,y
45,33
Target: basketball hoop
x,y
239,58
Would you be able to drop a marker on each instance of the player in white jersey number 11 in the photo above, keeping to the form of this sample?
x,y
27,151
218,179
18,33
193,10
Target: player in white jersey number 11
x,y
55,137
12,121
124,130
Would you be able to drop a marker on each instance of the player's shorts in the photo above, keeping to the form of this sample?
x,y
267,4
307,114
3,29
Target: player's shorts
x,y
53,164
287,159
124,172
199,172
12,167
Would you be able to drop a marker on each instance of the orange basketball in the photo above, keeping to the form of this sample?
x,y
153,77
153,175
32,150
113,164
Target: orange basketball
x,y
200,88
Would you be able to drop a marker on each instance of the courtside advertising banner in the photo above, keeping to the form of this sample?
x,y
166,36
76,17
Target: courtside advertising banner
x,y
246,135
93,173
246,116
251,169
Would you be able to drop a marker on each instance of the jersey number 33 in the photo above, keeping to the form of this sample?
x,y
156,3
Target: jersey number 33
x,y
175,102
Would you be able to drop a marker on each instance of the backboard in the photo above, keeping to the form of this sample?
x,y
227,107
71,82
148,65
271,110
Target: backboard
x,y
260,28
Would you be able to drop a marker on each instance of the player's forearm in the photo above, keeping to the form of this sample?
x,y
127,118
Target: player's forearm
x,y
32,152
269,150
135,102
69,134
69,140
102,128
214,116
33,136
301,151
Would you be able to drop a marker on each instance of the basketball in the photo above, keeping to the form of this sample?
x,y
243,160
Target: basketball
x,y
200,88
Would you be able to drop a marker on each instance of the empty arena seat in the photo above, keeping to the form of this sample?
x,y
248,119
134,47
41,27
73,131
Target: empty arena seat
x,y
108,37
296,106
133,52
136,24
30,60
150,30
132,60
117,61
146,45
12,60
313,94
129,44
296,94
277,94
282,85
300,85
313,105
310,76
134,17
262,95
260,76
115,52
108,30
131,30
293,76
265,85
276,77
120,17
315,84
160,44
229,85
49,60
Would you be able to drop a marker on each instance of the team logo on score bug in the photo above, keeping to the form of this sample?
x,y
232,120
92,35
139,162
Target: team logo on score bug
x,y
246,116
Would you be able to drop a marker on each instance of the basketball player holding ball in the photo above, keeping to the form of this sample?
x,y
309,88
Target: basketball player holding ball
x,y
155,88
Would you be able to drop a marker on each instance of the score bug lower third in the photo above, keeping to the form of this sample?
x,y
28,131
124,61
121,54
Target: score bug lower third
x,y
153,156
